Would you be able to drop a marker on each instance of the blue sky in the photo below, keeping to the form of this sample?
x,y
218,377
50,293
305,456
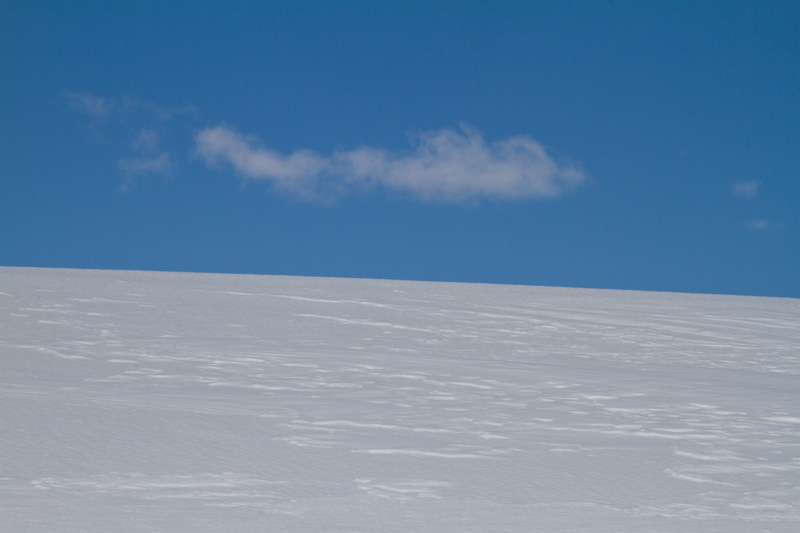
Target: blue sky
x,y
625,145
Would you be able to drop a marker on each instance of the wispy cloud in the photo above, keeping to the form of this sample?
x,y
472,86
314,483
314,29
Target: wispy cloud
x,y
149,158
140,132
90,104
146,165
146,140
746,189
444,165
99,107
761,224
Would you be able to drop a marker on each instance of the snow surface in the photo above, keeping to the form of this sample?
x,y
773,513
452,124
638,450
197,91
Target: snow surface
x,y
133,401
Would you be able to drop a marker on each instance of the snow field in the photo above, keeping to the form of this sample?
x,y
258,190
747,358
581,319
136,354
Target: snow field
x,y
133,401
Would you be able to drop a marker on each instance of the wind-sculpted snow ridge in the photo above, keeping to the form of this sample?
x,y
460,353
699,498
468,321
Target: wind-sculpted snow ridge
x,y
134,401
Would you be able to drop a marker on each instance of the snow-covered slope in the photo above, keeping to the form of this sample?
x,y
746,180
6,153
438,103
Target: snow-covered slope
x,y
134,401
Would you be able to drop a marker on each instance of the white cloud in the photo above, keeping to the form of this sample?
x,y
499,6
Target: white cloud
x,y
444,165
746,189
218,143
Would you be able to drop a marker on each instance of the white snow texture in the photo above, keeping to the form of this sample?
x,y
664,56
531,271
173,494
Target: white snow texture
x,y
136,401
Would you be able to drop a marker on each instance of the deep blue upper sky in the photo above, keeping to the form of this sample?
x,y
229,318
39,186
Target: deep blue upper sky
x,y
628,145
